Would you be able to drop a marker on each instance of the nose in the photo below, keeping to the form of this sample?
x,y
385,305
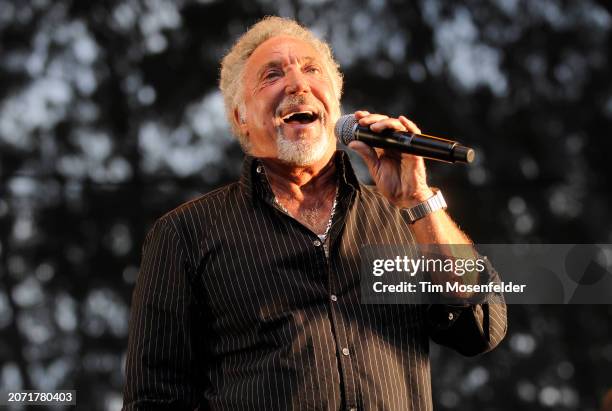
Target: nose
x,y
296,82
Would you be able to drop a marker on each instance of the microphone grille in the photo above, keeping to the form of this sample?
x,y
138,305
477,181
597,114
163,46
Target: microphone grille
x,y
344,128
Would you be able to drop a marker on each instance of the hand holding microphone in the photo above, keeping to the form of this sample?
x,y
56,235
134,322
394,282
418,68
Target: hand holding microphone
x,y
349,128
385,143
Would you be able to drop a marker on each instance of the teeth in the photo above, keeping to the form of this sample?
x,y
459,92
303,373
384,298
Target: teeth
x,y
298,112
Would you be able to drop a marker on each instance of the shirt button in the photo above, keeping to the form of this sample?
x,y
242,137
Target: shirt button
x,y
345,351
334,297
451,316
317,243
259,169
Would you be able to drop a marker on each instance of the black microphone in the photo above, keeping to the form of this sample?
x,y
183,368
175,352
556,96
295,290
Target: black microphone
x,y
435,148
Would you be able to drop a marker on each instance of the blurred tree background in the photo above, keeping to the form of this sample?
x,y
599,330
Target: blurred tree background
x,y
110,116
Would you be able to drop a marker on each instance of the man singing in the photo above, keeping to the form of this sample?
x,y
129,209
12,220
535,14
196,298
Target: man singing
x,y
248,297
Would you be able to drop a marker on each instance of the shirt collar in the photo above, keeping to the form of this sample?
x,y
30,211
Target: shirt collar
x,y
251,179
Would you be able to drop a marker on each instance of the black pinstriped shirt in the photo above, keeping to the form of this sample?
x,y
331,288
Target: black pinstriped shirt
x,y
237,307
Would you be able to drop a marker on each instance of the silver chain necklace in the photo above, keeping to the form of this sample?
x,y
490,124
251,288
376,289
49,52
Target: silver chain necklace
x,y
323,236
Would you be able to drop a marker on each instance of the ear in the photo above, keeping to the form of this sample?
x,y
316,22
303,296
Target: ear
x,y
240,122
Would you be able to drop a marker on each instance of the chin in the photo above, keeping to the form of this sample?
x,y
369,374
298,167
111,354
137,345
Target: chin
x,y
304,151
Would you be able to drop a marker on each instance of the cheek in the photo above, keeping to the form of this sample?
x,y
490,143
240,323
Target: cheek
x,y
258,112
326,94
258,122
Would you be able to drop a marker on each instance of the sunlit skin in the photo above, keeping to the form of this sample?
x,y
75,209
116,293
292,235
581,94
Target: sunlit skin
x,y
284,66
279,68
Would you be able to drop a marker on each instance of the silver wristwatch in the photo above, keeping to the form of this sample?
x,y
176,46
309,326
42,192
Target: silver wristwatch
x,y
433,203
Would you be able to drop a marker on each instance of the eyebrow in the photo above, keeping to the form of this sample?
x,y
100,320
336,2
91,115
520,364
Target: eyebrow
x,y
278,63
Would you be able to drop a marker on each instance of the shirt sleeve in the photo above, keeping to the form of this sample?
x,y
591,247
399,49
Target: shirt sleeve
x,y
470,329
162,367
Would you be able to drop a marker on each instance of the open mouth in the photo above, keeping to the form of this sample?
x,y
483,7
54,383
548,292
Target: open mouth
x,y
300,117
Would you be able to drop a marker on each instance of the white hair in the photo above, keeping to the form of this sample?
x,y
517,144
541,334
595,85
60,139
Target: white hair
x,y
302,152
232,65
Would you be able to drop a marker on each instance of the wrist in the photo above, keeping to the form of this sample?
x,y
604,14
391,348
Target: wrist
x,y
430,205
417,197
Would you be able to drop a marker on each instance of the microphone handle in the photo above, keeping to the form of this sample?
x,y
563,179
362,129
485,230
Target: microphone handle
x,y
434,148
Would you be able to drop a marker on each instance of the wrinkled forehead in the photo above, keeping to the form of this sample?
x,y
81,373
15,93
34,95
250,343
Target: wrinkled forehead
x,y
282,50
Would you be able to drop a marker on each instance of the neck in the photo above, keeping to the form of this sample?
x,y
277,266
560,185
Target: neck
x,y
298,183
306,193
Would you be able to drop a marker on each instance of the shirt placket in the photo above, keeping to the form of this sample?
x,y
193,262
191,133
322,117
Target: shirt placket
x,y
345,348
340,327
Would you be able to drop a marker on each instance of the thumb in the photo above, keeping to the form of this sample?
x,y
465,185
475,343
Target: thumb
x,y
367,153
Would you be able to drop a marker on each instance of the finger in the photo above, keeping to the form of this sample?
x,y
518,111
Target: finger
x,y
371,119
359,114
367,153
388,123
393,154
410,126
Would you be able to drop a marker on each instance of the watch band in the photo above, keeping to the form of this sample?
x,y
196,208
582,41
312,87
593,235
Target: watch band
x,y
433,203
